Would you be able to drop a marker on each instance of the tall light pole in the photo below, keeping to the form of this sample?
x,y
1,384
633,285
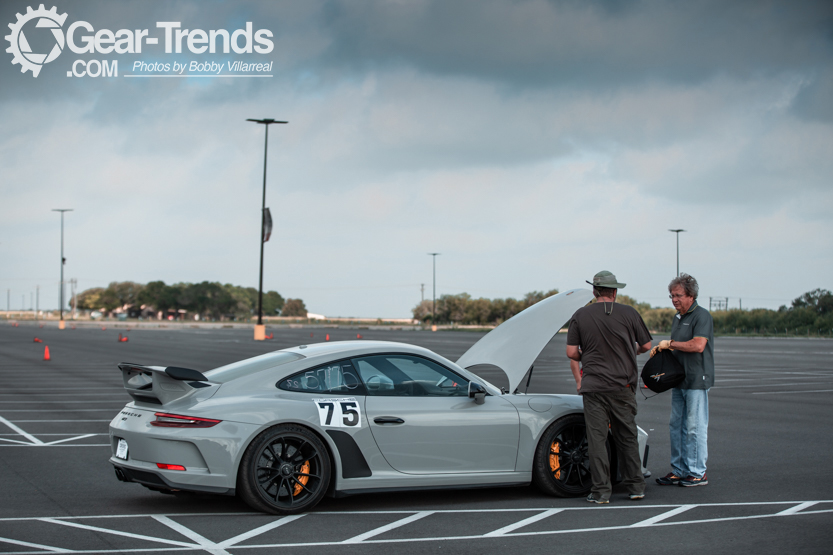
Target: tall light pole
x,y
61,324
433,255
260,329
678,231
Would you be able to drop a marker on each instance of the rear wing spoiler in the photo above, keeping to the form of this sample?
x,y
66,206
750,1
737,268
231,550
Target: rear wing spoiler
x,y
157,385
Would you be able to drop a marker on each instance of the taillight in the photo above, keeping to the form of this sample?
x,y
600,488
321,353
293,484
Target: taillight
x,y
166,420
164,466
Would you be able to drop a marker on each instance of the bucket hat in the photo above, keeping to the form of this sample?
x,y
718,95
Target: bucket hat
x,y
606,279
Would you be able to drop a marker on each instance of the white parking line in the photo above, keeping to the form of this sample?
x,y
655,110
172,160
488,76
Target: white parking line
x,y
28,421
520,524
36,442
30,437
797,508
766,385
258,531
60,410
202,541
382,529
35,545
654,519
114,532
60,445
598,515
57,441
785,392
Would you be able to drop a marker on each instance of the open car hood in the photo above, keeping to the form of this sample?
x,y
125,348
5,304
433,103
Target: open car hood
x,y
515,344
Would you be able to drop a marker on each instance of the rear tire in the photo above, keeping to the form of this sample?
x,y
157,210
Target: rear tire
x,y
562,465
285,470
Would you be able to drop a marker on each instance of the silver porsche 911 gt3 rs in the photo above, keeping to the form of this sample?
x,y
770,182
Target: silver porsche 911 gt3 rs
x,y
282,430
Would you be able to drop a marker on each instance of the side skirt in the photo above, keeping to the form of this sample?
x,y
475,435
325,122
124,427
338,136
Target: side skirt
x,y
347,492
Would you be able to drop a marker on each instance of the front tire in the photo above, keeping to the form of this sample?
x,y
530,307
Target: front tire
x,y
562,464
285,470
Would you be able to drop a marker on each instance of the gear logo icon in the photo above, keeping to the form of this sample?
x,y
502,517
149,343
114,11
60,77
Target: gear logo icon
x,y
19,46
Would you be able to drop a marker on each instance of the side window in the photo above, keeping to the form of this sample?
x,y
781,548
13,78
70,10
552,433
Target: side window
x,y
409,376
336,377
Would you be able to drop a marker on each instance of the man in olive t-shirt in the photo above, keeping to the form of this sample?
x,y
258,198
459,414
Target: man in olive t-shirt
x,y
606,337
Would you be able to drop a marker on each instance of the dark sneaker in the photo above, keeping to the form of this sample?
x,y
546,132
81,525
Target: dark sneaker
x,y
692,481
593,499
636,496
669,479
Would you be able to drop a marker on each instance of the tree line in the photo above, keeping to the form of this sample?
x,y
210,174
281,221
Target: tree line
x,y
211,300
810,313
462,309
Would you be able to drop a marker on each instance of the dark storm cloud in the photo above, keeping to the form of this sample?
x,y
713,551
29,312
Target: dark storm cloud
x,y
533,43
600,44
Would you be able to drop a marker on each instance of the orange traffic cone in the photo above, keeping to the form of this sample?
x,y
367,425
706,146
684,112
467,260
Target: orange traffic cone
x,y
358,336
328,337
38,340
122,339
270,336
46,352
310,334
103,328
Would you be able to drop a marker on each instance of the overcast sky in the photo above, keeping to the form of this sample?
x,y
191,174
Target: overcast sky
x,y
533,144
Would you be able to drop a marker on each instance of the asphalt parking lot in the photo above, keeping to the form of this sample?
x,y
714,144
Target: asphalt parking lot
x,y
770,473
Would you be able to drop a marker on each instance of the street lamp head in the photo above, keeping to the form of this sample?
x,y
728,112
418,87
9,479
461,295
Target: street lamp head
x,y
266,121
62,209
676,230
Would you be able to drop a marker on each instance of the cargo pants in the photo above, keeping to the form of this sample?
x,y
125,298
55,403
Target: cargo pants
x,y
618,410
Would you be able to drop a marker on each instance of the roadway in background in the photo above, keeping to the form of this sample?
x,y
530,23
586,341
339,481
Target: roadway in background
x,y
770,473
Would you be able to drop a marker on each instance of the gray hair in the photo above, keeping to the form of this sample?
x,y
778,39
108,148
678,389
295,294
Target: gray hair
x,y
688,283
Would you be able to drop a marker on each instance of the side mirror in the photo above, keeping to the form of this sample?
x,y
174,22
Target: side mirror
x,y
477,392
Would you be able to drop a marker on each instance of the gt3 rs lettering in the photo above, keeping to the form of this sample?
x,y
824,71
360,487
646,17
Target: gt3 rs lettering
x,y
339,412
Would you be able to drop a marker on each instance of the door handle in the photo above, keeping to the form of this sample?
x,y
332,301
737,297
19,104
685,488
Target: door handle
x,y
388,420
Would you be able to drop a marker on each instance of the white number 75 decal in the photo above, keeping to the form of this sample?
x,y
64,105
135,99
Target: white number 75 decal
x,y
339,412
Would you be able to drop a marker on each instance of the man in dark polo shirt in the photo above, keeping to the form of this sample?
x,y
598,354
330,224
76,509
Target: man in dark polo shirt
x,y
606,338
692,340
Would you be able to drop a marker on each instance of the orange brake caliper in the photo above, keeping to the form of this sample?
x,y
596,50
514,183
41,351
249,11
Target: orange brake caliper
x,y
555,463
303,479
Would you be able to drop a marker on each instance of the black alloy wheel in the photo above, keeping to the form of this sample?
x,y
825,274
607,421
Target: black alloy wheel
x,y
285,470
562,464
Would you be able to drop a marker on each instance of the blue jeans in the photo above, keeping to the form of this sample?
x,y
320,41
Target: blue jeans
x,y
689,432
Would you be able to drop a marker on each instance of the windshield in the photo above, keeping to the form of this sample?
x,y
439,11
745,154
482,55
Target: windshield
x,y
249,366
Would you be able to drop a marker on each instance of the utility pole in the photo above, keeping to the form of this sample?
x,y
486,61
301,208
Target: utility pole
x,y
72,283
434,305
37,302
678,231
422,292
265,217
61,324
